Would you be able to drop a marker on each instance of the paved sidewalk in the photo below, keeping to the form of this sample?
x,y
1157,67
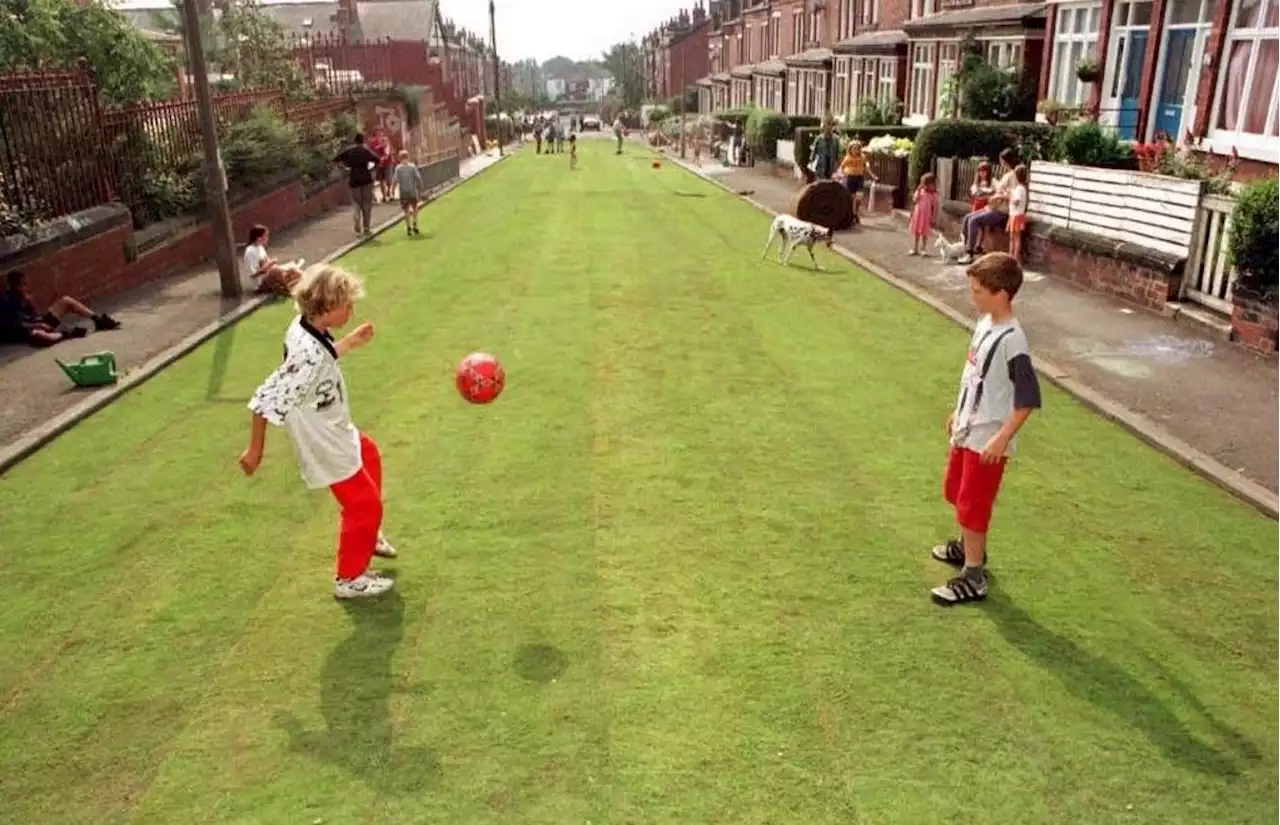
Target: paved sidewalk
x,y
157,316
1215,396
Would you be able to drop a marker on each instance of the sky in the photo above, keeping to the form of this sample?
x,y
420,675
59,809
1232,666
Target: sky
x,y
577,29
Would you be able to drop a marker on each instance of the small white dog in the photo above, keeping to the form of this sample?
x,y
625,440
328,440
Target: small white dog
x,y
793,232
949,251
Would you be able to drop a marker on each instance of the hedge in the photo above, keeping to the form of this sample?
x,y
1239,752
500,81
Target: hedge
x,y
977,138
804,137
765,128
1255,227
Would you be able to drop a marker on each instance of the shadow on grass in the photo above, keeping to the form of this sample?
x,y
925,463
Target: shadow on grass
x,y
539,663
355,698
1106,685
222,348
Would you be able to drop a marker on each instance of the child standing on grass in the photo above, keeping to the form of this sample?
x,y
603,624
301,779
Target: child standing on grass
x,y
409,182
1017,212
573,152
306,395
923,213
998,392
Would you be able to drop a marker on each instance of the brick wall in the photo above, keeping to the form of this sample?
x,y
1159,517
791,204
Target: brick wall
x,y
100,265
1254,323
1145,286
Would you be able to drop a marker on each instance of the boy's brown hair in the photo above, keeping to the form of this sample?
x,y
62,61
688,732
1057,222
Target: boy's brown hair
x,y
326,288
1020,173
997,272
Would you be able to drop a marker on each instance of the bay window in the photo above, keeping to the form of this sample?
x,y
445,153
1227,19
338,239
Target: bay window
x,y
1075,37
1244,114
920,102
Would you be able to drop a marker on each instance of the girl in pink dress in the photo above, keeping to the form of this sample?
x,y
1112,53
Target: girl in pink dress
x,y
923,213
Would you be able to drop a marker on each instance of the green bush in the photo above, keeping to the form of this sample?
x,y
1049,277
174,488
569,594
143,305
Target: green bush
x,y
972,138
765,128
799,122
1088,144
871,112
658,114
735,117
1255,237
804,137
263,147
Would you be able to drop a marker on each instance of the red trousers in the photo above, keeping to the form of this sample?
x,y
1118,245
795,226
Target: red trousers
x,y
360,498
971,488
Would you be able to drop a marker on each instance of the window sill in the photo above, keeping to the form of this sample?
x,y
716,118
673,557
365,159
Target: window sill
x,y
1251,147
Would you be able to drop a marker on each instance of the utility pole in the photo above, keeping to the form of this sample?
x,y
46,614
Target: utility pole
x,y
497,78
683,88
224,246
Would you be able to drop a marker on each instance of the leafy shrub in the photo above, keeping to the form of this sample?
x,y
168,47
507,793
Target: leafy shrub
x,y
1088,144
765,128
736,116
802,122
969,138
1255,237
804,137
872,112
658,114
260,148
988,92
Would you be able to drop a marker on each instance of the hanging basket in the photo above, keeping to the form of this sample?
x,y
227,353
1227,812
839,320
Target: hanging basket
x,y
1088,71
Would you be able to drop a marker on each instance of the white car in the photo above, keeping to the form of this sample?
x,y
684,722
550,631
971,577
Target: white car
x,y
591,123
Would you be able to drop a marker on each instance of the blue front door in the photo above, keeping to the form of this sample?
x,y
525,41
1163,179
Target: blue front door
x,y
1130,83
1179,44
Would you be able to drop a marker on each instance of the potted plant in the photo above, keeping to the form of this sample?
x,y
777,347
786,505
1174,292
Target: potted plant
x,y
1088,70
1255,223
1051,110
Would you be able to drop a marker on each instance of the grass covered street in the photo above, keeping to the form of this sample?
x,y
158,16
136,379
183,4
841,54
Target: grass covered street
x,y
677,574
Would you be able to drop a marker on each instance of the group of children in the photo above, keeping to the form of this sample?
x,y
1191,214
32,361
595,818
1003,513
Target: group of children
x,y
1009,196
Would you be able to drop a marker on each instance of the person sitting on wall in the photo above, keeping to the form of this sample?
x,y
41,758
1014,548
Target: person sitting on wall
x,y
261,270
995,214
21,323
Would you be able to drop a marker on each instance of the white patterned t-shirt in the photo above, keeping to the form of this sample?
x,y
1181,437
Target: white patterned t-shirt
x,y
307,397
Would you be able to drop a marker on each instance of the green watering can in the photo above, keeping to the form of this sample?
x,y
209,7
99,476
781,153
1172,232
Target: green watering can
x,y
93,370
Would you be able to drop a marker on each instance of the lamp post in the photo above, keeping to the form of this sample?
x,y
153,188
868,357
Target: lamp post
x,y
224,245
497,78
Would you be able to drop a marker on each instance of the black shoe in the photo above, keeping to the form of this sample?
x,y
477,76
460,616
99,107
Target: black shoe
x,y
103,322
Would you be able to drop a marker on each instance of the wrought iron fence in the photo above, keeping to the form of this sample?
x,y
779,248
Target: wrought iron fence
x,y
51,154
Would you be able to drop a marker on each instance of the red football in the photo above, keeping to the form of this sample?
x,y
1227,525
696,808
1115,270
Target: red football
x,y
480,378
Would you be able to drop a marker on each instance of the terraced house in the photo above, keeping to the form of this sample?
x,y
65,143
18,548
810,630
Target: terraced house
x,y
1199,71
675,54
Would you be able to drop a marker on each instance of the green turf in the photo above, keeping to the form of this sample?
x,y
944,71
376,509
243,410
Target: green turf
x,y
678,574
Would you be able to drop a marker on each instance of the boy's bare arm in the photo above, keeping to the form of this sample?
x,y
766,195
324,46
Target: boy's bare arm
x,y
358,337
252,456
999,443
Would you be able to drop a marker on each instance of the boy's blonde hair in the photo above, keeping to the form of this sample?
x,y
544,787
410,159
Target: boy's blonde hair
x,y
325,288
404,154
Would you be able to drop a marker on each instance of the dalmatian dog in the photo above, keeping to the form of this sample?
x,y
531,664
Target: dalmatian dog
x,y
793,232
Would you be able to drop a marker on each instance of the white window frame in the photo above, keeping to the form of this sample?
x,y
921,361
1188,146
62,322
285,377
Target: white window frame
x,y
840,90
887,83
775,33
1200,30
817,24
948,65
923,8
797,31
793,92
920,96
1262,146
846,19
869,13
1004,52
1064,86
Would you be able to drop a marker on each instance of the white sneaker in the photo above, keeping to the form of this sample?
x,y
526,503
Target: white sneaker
x,y
384,549
361,587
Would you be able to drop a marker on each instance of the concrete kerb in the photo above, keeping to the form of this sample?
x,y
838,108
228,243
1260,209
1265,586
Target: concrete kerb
x,y
33,440
1134,422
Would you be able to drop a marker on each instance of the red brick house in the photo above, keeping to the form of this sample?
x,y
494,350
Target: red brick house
x,y
1199,71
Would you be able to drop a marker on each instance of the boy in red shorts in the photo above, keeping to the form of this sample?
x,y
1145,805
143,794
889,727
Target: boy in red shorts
x,y
998,392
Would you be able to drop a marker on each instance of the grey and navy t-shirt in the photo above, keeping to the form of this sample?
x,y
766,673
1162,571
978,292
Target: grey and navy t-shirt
x,y
998,378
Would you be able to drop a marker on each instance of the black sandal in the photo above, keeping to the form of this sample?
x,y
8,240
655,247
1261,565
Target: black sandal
x,y
952,553
960,590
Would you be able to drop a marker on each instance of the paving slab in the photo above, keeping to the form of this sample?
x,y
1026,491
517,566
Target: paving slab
x,y
157,316
1217,397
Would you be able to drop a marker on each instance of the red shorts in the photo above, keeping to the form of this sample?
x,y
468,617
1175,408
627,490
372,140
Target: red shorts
x,y
971,488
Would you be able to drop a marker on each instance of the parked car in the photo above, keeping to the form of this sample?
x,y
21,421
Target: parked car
x,y
590,123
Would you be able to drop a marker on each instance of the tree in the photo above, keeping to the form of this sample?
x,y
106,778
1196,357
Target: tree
x,y
624,62
54,34
251,46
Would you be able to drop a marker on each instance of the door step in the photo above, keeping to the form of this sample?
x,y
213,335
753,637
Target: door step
x,y
1214,324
